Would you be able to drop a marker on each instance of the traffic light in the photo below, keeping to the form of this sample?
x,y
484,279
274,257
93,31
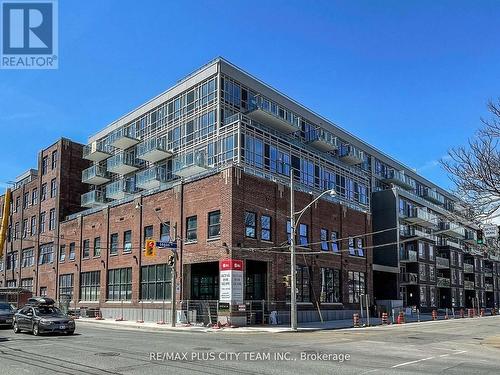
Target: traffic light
x,y
171,260
286,280
480,237
150,249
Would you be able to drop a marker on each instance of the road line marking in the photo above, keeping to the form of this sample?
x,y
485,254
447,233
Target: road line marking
x,y
444,355
412,362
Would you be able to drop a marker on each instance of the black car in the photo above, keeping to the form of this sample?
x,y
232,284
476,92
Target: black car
x,y
6,314
42,318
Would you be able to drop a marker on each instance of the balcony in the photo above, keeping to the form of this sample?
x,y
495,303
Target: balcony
x,y
468,285
191,164
123,163
408,278
442,263
422,217
468,268
424,235
151,178
447,242
407,256
271,114
452,229
95,175
470,236
94,198
351,155
400,179
153,150
488,287
96,152
488,272
120,188
323,140
433,196
443,282
123,138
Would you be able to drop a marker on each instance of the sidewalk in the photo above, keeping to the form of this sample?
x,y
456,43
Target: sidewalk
x,y
303,327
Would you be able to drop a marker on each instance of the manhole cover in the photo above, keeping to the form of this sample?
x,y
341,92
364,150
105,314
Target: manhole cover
x,y
107,354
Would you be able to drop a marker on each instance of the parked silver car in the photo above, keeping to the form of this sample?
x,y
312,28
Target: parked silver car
x,y
6,314
41,317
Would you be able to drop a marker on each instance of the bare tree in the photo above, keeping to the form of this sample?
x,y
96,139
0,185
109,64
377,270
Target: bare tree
x,y
475,168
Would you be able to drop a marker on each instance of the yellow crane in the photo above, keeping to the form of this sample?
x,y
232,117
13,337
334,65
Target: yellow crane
x,y
5,220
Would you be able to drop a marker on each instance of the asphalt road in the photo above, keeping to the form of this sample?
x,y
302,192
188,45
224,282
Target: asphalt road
x,y
462,346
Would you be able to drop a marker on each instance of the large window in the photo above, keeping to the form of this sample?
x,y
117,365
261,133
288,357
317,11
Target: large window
x,y
28,258
323,236
86,249
71,254
120,284
192,229
350,245
53,188
52,219
214,224
113,249
62,253
303,284
356,286
46,254
90,286
250,224
66,286
12,260
148,232
303,235
33,225
265,228
27,284
97,247
127,241
330,285
156,282
42,222
165,231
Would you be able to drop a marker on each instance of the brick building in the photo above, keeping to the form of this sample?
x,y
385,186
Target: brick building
x,y
41,198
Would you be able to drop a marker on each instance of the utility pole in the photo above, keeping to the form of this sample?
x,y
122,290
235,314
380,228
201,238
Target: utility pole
x,y
174,280
293,270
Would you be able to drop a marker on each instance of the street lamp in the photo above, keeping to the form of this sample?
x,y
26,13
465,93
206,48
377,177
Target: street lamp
x,y
293,220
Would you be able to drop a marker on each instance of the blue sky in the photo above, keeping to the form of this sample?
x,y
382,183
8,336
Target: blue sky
x,y
410,77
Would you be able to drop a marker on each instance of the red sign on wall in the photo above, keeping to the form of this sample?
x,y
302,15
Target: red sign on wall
x,y
231,265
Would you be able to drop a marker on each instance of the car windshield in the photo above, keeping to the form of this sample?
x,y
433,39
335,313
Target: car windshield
x,y
5,307
48,311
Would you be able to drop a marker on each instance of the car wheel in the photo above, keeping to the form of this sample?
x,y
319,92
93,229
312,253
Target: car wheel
x,y
36,331
16,328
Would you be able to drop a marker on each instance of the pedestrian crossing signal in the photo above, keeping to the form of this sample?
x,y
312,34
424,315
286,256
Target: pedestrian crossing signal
x,y
150,249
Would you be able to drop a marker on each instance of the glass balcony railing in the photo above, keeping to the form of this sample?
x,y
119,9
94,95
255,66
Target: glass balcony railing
x,y
468,268
322,140
120,189
408,278
153,150
123,138
470,236
488,287
123,163
434,196
399,178
407,255
191,164
422,217
151,178
452,229
468,285
95,175
96,152
351,155
93,198
442,262
271,114
443,282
